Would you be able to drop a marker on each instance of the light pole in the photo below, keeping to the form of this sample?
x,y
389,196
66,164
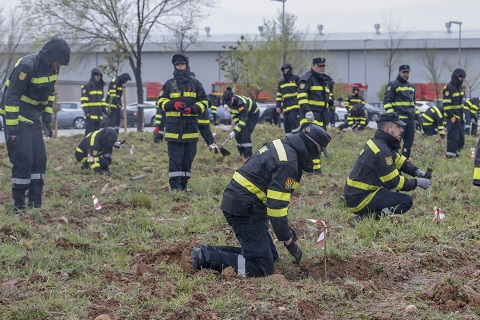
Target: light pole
x,y
448,25
365,65
283,29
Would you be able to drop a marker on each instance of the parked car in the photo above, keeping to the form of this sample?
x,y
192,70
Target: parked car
x,y
340,113
149,111
423,105
373,113
223,114
70,114
377,104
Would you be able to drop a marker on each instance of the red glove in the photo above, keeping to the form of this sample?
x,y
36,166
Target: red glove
x,y
155,131
178,105
187,110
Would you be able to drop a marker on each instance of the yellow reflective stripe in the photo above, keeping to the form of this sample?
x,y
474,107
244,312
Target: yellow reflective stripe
x,y
11,122
389,176
31,101
400,184
242,123
190,94
190,135
172,113
48,109
26,120
373,146
403,103
171,135
175,95
318,88
427,117
282,154
292,107
277,195
84,99
317,103
250,186
12,108
203,121
277,212
400,160
476,173
79,150
364,203
361,185
457,94
92,138
447,101
44,79
289,95
289,84
405,89
95,92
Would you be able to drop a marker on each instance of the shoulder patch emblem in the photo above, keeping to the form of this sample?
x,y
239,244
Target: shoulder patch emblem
x,y
84,91
388,88
389,160
241,109
447,93
302,85
290,184
114,86
22,76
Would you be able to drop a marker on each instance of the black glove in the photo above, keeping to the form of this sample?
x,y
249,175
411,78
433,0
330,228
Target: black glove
x,y
158,137
442,136
295,251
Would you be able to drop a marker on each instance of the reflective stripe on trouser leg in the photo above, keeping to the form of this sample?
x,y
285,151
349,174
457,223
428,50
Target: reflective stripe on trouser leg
x,y
241,269
317,165
180,158
38,170
244,137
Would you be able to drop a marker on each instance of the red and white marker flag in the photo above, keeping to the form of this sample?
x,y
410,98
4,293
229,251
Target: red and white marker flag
x,y
321,238
438,215
96,203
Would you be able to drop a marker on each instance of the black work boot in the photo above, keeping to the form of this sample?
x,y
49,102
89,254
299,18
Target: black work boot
x,y
198,259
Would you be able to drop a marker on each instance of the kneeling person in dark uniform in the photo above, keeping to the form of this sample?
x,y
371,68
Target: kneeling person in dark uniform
x,y
95,150
258,193
370,187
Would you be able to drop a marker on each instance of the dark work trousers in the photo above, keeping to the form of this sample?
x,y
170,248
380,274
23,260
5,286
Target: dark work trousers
x,y
386,202
430,130
91,125
331,117
29,159
257,255
474,125
291,122
408,134
180,158
462,137
114,118
320,115
206,133
454,130
244,137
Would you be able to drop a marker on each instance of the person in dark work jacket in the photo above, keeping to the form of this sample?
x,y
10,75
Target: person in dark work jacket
x,y
259,193
114,99
453,111
245,116
93,102
287,100
368,191
28,99
182,99
400,97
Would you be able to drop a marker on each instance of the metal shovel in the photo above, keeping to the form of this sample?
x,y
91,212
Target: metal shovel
x,y
224,152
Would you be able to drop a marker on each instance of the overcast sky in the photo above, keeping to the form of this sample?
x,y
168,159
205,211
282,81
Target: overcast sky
x,y
244,16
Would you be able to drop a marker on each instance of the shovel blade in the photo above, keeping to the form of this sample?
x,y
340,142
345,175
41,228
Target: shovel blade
x,y
224,152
